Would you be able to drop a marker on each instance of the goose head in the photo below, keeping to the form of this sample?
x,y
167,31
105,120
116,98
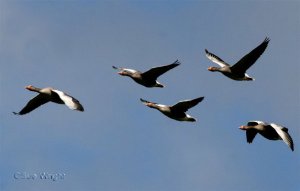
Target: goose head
x,y
123,73
213,69
250,125
126,72
151,105
244,127
32,88
29,87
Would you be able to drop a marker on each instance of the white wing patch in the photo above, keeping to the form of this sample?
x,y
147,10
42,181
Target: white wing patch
x,y
190,117
248,76
186,100
129,70
161,105
68,100
285,136
215,59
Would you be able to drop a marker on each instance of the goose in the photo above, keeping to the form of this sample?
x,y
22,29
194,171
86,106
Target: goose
x,y
238,70
176,111
49,94
270,131
148,78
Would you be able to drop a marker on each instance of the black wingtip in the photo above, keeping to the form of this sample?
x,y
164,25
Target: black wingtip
x,y
206,51
16,113
145,101
267,40
201,98
177,62
114,67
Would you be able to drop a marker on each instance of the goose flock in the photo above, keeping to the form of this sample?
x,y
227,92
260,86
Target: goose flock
x,y
177,111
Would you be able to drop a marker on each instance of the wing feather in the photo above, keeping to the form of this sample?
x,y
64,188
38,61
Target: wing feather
x,y
284,135
250,134
33,104
154,73
215,59
248,60
186,104
69,101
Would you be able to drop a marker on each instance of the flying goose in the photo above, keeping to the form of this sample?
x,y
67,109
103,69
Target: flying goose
x,y
238,70
176,111
148,78
49,94
270,131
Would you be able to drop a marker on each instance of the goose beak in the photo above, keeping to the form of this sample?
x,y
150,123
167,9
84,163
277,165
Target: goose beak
x,y
209,69
148,104
242,127
28,87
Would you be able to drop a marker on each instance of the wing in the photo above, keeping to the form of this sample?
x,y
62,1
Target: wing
x,y
145,101
70,101
215,59
154,73
248,60
186,104
283,133
117,68
33,104
250,134
254,123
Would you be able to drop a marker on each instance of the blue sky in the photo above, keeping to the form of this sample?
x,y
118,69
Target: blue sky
x,y
118,143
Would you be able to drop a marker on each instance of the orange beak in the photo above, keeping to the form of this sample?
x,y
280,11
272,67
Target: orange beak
x,y
28,87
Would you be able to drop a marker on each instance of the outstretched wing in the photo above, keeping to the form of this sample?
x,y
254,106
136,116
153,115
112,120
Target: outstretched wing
x,y
154,73
215,59
145,101
250,134
248,60
283,133
70,101
186,104
33,104
254,123
118,68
